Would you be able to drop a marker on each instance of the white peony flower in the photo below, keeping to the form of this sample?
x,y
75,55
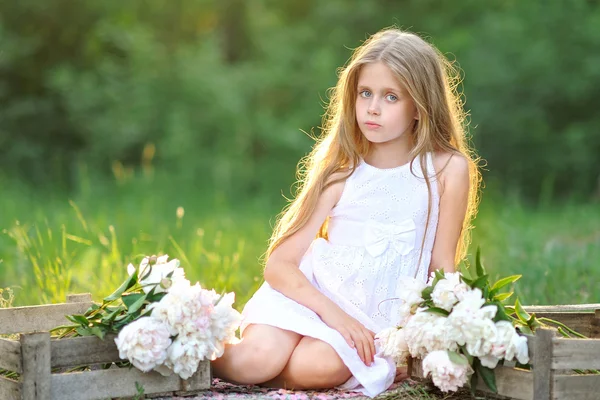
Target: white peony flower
x,y
184,355
518,349
144,343
472,324
158,273
393,344
409,293
186,310
225,321
449,291
446,375
426,332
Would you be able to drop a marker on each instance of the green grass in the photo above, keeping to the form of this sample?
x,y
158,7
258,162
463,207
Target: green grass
x,y
51,245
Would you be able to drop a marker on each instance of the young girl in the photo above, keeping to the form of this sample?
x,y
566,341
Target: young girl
x,y
388,191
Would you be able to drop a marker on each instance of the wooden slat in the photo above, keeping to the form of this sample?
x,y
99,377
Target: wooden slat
x,y
576,354
35,381
511,382
576,387
201,380
542,364
72,352
578,321
38,318
10,355
563,308
595,326
120,382
9,389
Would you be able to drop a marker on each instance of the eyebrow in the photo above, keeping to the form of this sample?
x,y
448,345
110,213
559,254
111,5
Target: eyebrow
x,y
387,89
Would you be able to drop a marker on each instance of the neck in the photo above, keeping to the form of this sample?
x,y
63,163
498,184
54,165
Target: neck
x,y
390,154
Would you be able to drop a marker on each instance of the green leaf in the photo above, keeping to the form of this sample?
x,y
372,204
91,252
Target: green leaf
x,y
129,282
501,314
136,305
468,281
473,383
437,310
130,299
110,317
79,319
478,265
521,313
533,322
503,296
488,376
505,281
525,330
97,331
156,297
426,293
457,358
83,331
481,282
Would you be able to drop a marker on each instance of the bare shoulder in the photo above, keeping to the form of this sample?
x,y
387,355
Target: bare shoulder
x,y
452,169
334,186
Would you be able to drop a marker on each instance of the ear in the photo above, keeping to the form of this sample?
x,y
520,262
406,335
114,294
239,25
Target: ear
x,y
417,115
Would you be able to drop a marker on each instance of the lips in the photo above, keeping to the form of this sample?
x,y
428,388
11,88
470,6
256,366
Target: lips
x,y
372,125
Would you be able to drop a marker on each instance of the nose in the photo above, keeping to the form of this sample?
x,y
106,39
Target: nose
x,y
373,107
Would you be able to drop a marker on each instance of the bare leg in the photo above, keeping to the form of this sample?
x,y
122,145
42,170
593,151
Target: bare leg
x,y
314,364
260,356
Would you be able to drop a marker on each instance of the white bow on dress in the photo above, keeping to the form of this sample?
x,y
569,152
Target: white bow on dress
x,y
379,237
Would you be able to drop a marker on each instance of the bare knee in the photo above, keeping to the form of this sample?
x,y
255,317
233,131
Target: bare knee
x,y
260,356
330,372
314,365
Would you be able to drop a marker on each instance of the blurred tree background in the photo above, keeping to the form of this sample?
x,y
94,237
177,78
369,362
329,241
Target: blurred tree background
x,y
223,88
188,100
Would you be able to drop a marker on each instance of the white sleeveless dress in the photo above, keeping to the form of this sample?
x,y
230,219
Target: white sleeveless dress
x,y
375,235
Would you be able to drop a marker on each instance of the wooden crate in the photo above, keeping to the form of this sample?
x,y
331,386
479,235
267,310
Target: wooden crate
x,y
35,355
553,358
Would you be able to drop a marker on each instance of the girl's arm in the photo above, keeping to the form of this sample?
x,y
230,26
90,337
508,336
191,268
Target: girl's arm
x,y
282,274
454,192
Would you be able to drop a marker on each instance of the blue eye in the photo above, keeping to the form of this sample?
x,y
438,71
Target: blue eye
x,y
365,94
391,97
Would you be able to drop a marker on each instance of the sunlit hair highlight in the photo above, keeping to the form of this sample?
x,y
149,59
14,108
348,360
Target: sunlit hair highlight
x,y
432,82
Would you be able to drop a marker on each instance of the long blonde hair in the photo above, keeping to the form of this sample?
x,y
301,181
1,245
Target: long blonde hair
x,y
432,82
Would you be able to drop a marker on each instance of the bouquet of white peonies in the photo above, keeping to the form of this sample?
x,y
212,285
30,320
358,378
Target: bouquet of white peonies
x,y
163,322
460,328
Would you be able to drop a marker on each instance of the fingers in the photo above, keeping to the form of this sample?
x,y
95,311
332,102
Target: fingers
x,y
349,339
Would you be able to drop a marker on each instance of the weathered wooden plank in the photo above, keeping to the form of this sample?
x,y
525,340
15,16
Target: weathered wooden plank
x,y
563,308
511,382
38,318
576,387
96,385
72,352
578,321
201,380
10,355
576,353
9,389
35,352
542,364
595,326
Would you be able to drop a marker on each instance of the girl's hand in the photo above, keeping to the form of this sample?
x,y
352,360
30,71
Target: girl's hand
x,y
401,373
355,333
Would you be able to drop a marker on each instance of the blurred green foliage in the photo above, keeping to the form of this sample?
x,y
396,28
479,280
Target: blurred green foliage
x,y
216,92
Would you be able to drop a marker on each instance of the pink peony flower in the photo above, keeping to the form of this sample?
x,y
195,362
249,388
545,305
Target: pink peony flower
x,y
144,343
446,375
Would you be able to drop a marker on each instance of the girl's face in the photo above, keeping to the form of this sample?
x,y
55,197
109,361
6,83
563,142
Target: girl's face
x,y
384,110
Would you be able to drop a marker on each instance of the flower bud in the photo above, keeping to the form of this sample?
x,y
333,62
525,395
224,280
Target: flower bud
x,y
166,283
